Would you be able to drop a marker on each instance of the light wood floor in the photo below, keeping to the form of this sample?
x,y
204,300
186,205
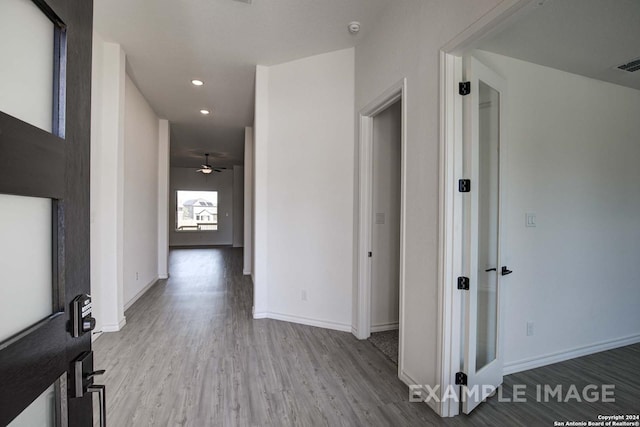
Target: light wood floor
x,y
191,355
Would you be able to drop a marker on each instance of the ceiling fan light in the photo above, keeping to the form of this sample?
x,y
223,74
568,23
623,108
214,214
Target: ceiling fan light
x,y
207,171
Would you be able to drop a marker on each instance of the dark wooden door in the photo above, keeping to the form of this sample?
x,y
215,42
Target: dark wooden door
x,y
51,164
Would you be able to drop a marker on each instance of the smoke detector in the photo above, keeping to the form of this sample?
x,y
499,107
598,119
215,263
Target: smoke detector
x,y
354,27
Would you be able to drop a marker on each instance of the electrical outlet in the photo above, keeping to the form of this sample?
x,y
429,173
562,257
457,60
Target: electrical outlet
x,y
303,295
529,329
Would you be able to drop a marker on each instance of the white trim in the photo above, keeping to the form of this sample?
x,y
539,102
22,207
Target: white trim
x,y
504,13
139,294
385,327
115,327
246,273
364,165
327,324
548,359
450,229
163,277
408,381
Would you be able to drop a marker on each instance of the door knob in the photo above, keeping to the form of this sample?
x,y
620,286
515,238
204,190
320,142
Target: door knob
x,y
505,271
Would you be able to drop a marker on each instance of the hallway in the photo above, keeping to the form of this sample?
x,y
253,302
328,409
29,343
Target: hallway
x,y
191,355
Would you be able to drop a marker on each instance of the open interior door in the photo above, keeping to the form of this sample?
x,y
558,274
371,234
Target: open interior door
x,y
483,360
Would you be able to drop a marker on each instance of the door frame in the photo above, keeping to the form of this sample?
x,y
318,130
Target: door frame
x,y
364,165
451,233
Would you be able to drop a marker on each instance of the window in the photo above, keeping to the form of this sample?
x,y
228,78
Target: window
x,y
196,210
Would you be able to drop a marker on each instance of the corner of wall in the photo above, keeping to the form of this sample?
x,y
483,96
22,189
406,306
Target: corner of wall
x,y
108,82
164,144
260,186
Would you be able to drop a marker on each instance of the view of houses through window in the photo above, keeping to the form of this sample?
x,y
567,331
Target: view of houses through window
x,y
197,210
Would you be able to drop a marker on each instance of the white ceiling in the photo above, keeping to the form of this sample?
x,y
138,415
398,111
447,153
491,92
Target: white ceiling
x,y
170,42
586,37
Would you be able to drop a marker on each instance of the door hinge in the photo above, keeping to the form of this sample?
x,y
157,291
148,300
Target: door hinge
x,y
464,185
463,283
461,378
464,88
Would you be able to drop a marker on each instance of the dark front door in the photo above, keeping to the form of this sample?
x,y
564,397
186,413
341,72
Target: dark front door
x,y
45,93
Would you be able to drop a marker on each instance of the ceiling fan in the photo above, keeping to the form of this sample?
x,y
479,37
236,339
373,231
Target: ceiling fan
x,y
207,168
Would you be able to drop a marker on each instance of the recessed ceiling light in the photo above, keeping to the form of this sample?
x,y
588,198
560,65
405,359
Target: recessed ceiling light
x,y
197,82
205,112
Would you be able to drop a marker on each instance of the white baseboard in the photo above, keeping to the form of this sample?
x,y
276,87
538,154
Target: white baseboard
x,y
385,327
139,294
548,359
408,380
163,276
246,273
327,324
115,327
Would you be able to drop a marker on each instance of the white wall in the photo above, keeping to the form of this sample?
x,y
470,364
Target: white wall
x,y
129,144
189,179
248,201
385,263
107,184
572,159
141,156
238,206
405,44
304,180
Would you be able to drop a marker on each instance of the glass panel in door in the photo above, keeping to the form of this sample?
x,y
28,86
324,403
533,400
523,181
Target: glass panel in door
x,y
41,413
26,294
27,71
488,230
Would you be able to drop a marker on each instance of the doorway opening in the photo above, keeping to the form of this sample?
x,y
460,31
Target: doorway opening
x,y
385,230
380,260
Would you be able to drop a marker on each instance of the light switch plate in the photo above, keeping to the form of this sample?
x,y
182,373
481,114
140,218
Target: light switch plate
x,y
530,219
